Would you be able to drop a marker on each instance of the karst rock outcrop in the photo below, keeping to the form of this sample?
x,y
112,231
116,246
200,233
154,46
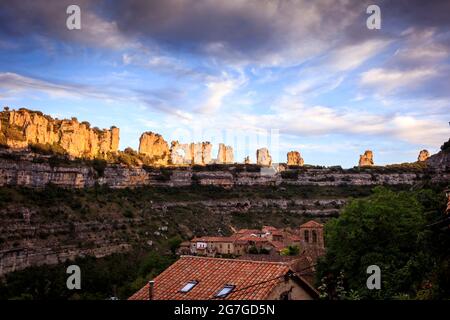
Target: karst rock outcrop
x,y
263,157
423,155
225,154
366,159
190,154
23,128
247,160
295,159
154,146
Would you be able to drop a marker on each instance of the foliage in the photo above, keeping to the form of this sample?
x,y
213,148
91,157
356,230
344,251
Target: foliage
x,y
174,243
290,251
386,229
118,275
48,149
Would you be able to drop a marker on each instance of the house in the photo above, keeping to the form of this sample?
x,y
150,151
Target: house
x,y
205,278
209,246
267,239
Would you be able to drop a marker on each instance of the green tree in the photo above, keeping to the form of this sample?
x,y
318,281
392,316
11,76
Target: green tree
x,y
384,229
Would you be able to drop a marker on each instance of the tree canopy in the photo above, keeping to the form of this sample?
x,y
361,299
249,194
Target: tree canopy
x,y
387,229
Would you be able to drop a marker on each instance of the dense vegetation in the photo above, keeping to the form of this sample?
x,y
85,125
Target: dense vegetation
x,y
391,230
118,275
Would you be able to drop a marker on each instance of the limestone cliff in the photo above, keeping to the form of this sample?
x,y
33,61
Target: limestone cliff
x,y
295,159
225,155
154,146
263,157
190,154
23,128
366,159
423,155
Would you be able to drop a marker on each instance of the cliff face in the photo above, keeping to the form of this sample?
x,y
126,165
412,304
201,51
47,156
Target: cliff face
x,y
225,154
154,146
439,161
190,154
423,155
263,157
37,172
23,128
366,159
294,159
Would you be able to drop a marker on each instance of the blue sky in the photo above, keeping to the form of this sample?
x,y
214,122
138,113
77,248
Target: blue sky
x,y
288,75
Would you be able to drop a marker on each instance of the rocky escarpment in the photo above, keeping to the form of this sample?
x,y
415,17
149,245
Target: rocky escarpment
x,y
441,160
35,171
53,225
23,128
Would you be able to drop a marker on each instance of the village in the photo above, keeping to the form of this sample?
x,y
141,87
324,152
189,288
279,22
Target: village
x,y
253,264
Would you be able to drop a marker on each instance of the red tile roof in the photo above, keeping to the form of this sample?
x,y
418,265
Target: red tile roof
x,y
247,238
249,231
212,275
213,239
312,224
278,245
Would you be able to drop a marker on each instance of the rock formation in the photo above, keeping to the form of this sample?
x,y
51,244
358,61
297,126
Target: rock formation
x,y
180,153
247,160
190,154
154,146
263,157
423,155
225,155
23,128
366,159
294,159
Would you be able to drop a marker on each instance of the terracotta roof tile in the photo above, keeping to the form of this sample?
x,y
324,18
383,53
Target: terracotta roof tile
x,y
212,274
311,224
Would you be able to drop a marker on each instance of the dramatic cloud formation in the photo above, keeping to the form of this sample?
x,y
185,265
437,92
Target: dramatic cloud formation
x,y
193,69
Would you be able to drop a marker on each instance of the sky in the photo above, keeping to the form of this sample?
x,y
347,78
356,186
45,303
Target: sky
x,y
284,74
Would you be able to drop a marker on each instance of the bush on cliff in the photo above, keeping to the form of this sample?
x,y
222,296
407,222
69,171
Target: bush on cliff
x,y
48,149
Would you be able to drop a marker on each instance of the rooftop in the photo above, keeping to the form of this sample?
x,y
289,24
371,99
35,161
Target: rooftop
x,y
312,224
251,280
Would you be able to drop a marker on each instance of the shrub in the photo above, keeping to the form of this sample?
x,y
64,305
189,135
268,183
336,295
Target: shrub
x,y
48,149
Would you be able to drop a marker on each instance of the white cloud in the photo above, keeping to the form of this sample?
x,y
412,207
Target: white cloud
x,y
352,56
389,80
218,88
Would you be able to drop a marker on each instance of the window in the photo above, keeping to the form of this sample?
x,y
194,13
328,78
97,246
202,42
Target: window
x,y
188,287
314,236
306,234
225,291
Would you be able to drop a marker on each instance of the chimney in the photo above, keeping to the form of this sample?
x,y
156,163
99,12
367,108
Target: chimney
x,y
151,288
